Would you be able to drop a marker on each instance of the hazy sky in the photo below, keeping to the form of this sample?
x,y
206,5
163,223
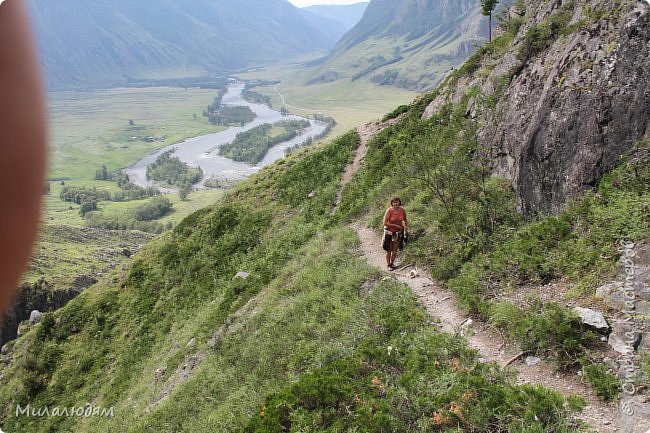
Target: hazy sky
x,y
301,3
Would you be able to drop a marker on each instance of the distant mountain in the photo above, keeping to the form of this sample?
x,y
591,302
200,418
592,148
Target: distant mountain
x,y
334,20
409,43
86,43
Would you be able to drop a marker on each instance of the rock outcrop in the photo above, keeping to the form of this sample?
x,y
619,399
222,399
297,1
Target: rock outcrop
x,y
38,296
568,112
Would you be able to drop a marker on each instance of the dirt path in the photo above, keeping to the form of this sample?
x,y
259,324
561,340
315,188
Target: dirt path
x,y
443,307
366,132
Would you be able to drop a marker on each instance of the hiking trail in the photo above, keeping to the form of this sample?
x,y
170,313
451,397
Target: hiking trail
x,y
444,309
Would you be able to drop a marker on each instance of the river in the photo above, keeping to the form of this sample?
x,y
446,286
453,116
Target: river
x,y
203,151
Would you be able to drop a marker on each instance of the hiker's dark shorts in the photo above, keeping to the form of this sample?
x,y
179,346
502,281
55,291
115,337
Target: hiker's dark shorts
x,y
388,240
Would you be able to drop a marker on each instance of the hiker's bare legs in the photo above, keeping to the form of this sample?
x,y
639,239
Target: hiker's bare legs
x,y
392,254
23,142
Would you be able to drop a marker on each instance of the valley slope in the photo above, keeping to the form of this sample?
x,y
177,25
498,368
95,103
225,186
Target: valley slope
x,y
411,44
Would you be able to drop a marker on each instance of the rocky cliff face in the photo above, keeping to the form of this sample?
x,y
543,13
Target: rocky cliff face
x,y
573,92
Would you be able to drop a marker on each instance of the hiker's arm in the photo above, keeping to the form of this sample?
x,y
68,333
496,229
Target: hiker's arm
x,y
406,223
23,143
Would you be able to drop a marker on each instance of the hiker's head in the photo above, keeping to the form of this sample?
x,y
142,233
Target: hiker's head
x,y
395,201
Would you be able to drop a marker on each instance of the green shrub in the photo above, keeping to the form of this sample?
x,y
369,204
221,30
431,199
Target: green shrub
x,y
606,384
541,36
152,210
396,113
553,329
426,383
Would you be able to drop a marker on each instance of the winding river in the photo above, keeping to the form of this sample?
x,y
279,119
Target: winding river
x,y
203,151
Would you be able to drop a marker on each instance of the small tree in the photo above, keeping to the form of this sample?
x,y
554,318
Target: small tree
x,y
87,205
487,6
102,174
184,191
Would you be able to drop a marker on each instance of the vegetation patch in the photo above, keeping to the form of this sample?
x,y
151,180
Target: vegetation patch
x,y
172,171
421,380
541,36
227,115
251,146
256,98
605,383
330,124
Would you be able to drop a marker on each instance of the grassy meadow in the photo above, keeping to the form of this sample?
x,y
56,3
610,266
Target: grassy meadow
x,y
56,211
88,129
351,103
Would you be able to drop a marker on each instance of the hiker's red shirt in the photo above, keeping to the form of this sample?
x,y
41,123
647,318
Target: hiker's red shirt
x,y
395,217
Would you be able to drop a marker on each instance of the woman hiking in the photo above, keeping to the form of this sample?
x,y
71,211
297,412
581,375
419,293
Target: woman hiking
x,y
395,225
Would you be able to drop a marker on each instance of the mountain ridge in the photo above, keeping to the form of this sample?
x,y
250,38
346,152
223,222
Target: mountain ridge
x,y
120,40
411,44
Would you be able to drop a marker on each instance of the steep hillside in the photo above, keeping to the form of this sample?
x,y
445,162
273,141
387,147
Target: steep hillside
x,y
563,94
256,314
102,43
411,44
260,313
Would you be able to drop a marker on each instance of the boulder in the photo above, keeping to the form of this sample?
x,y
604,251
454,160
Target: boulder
x,y
159,373
532,360
34,317
243,275
611,363
592,318
82,282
